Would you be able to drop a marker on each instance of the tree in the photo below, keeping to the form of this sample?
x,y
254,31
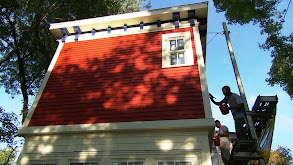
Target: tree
x,y
27,47
8,132
7,156
265,14
280,156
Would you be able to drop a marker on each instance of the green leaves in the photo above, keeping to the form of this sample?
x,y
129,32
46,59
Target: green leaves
x,y
280,156
265,14
5,154
243,12
26,44
8,126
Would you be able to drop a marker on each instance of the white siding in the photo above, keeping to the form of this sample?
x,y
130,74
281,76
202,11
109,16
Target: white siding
x,y
149,146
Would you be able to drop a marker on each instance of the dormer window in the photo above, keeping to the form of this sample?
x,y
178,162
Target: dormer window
x,y
176,50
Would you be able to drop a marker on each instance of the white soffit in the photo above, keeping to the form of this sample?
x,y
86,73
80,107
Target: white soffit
x,y
135,18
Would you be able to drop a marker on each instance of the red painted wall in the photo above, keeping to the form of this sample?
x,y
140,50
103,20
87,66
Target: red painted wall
x,y
118,79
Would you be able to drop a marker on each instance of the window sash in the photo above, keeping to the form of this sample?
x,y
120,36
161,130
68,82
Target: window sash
x,y
43,164
177,58
176,44
127,163
85,163
174,163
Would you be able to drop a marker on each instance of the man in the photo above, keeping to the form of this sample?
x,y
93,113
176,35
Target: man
x,y
237,108
223,134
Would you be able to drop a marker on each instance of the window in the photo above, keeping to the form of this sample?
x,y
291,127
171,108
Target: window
x,y
43,163
177,49
86,163
127,163
174,163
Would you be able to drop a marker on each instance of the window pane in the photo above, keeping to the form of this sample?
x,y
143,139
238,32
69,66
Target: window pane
x,y
119,163
135,163
181,59
166,163
173,59
43,163
180,44
183,163
172,45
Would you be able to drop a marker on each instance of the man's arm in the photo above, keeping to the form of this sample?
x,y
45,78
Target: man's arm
x,y
226,133
236,106
212,99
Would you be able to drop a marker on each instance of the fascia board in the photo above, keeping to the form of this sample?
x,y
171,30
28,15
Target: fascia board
x,y
134,18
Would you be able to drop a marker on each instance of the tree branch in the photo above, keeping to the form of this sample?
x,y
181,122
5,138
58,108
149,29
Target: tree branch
x,y
53,7
7,57
8,159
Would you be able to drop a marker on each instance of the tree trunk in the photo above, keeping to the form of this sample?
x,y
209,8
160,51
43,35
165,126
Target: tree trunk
x,y
22,77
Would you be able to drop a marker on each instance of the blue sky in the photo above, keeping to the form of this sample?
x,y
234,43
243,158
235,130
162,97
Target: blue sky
x,y
253,65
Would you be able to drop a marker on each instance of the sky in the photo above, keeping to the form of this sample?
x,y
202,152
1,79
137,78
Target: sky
x,y
253,64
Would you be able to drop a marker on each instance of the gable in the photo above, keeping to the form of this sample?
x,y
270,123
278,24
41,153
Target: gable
x,y
119,79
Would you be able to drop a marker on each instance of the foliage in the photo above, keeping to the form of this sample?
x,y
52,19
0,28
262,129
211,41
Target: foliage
x,y
265,14
8,129
26,44
6,153
280,156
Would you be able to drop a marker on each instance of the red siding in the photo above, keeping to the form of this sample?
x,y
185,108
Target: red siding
x,y
118,79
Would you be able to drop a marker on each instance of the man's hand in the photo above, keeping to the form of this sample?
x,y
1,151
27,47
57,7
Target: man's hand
x,y
226,108
211,96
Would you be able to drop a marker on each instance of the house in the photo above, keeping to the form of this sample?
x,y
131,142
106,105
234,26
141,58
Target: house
x,y
127,89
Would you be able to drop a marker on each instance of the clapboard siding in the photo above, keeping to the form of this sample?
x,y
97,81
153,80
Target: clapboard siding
x,y
119,79
102,142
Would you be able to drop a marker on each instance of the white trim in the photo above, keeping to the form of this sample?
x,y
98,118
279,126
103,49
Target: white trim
x,y
127,161
41,89
202,73
171,161
81,161
42,162
130,31
122,126
134,18
166,59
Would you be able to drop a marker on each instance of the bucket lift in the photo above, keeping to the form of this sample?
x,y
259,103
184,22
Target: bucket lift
x,y
259,122
257,146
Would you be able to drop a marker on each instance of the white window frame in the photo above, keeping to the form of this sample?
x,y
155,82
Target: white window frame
x,y
127,161
175,161
43,163
166,50
83,162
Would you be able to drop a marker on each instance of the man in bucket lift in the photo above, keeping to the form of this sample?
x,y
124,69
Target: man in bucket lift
x,y
237,108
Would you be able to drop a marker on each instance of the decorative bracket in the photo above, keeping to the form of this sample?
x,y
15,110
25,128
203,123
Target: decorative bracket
x,y
141,25
176,18
65,33
109,29
93,32
159,23
77,32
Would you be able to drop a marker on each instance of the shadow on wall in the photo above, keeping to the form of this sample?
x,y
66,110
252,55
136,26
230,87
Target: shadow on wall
x,y
118,79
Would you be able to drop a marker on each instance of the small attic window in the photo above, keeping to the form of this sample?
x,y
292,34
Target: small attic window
x,y
177,50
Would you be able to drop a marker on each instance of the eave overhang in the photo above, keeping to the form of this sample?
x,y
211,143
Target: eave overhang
x,y
135,19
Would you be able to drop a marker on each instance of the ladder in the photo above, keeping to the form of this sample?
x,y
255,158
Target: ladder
x,y
259,126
